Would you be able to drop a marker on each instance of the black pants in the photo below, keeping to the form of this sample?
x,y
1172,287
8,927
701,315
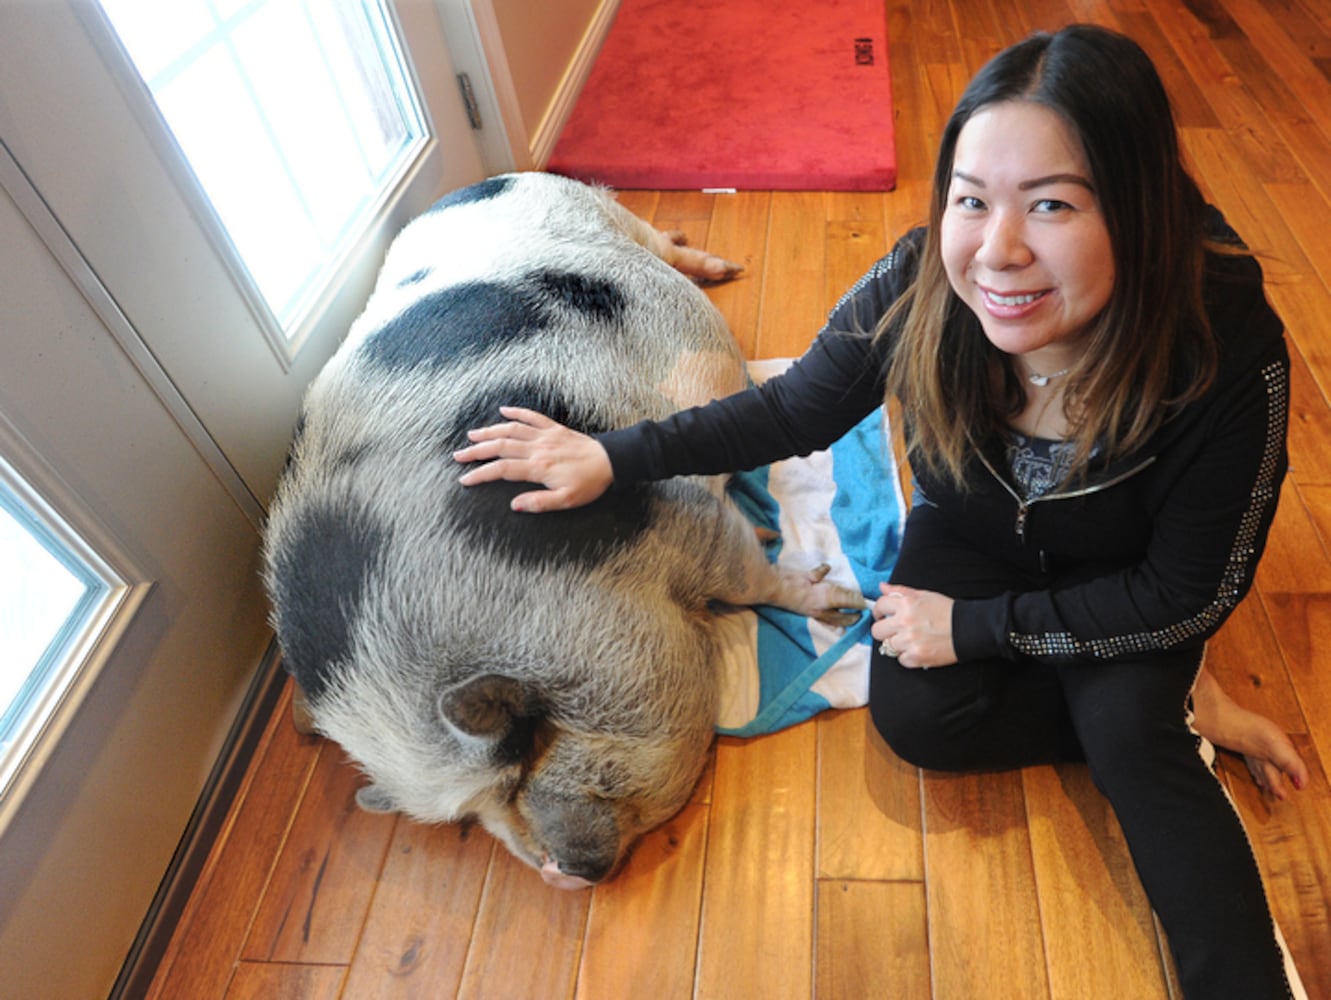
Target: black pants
x,y
1128,721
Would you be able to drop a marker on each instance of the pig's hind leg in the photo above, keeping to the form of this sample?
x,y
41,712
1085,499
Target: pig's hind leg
x,y
672,247
756,580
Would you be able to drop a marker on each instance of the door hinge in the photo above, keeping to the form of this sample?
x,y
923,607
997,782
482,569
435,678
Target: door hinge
x,y
469,101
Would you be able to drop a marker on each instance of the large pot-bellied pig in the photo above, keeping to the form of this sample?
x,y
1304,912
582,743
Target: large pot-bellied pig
x,y
551,675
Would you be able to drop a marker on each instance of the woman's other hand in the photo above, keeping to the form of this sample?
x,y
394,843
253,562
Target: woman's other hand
x,y
532,448
915,626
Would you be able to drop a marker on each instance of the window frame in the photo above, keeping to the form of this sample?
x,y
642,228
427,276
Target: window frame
x,y
285,343
75,662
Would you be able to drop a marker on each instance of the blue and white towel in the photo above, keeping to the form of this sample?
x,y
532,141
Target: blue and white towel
x,y
843,507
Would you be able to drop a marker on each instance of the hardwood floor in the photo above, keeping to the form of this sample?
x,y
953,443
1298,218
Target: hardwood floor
x,y
812,862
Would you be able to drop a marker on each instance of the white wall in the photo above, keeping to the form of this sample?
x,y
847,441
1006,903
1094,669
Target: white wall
x,y
528,60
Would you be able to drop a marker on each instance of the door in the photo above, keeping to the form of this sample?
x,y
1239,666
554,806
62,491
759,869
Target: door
x,y
147,395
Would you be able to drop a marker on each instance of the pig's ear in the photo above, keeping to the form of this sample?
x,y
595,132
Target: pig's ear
x,y
493,709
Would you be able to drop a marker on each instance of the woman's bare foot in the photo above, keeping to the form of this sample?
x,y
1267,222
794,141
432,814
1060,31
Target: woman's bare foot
x,y
1266,749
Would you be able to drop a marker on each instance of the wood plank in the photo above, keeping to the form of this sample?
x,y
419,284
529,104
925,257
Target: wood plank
x,y
1295,558
261,981
855,240
942,87
320,891
1186,98
738,232
1304,210
1302,626
640,203
932,30
1305,305
1246,659
909,122
1197,46
527,938
1309,436
984,37
1317,501
1098,928
1279,64
643,925
419,926
199,961
794,303
757,913
1235,190
985,936
872,940
869,819
1303,134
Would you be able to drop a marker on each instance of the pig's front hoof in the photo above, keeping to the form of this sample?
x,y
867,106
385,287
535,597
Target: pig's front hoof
x,y
834,604
838,617
557,879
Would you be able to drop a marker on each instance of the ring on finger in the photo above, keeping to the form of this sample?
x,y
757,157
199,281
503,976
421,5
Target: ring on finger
x,y
887,649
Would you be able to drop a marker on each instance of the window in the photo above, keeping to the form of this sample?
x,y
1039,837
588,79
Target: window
x,y
296,117
56,597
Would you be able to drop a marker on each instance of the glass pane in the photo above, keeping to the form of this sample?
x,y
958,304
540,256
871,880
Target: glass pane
x,y
295,116
47,594
38,593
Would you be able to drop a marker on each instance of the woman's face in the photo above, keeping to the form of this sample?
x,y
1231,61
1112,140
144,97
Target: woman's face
x,y
1024,243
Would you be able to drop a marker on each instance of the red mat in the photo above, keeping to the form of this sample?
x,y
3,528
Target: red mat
x,y
745,94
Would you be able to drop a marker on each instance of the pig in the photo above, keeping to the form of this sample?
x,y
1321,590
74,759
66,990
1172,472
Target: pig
x,y
551,676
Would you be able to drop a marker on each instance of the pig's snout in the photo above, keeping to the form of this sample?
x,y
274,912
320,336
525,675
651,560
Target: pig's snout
x,y
556,878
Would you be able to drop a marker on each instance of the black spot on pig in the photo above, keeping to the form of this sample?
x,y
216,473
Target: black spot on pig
x,y
319,578
483,191
585,536
593,297
482,409
439,329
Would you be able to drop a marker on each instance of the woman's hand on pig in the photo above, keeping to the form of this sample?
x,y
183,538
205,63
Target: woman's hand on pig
x,y
915,626
532,448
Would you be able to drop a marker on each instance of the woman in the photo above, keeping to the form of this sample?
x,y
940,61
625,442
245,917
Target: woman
x,y
1095,396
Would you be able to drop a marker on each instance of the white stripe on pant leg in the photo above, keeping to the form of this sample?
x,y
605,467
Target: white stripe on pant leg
x,y
1207,753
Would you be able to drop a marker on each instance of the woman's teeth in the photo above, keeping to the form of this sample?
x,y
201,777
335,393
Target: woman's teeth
x,y
1013,300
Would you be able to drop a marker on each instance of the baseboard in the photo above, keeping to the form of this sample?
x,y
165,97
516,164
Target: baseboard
x,y
219,791
561,105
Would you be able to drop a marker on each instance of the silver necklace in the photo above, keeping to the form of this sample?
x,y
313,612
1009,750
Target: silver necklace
x,y
1035,378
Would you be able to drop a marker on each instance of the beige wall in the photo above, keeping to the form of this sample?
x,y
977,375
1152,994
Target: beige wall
x,y
542,41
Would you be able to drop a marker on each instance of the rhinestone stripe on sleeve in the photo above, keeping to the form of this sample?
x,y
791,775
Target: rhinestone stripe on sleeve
x,y
880,267
1231,581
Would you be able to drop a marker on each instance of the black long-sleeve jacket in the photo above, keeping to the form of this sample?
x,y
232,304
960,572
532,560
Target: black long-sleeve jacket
x,y
1150,553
